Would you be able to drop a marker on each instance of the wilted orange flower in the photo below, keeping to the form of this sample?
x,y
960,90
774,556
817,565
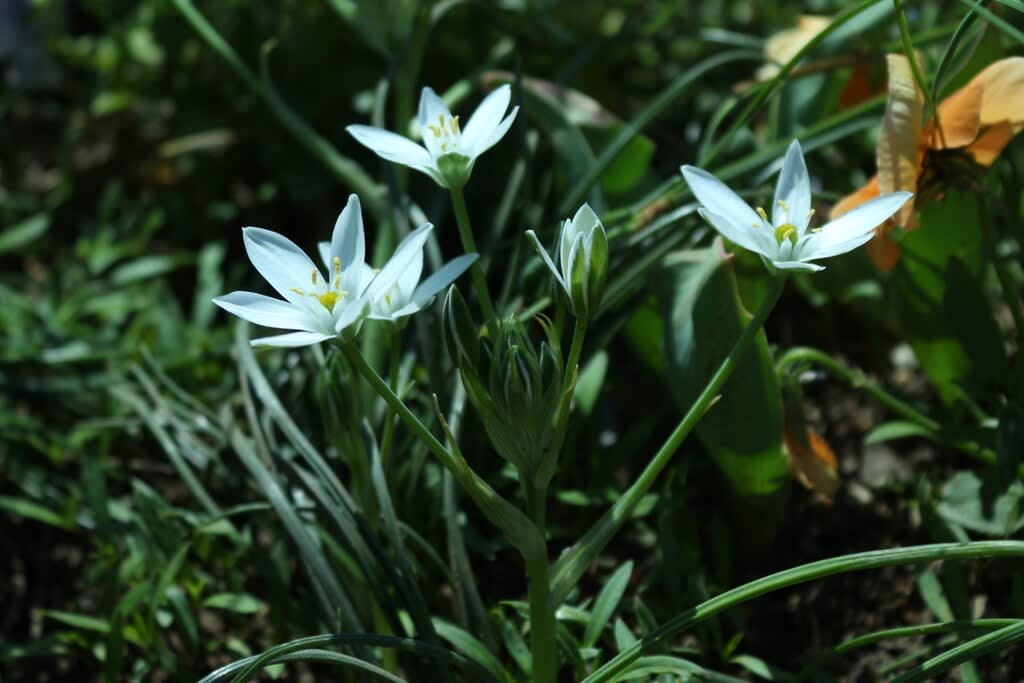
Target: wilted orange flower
x,y
811,461
973,126
781,47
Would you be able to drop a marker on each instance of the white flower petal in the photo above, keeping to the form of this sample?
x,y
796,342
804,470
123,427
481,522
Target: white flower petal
x,y
547,259
793,190
491,140
282,264
324,250
354,312
486,118
393,147
433,112
444,276
798,265
407,250
293,339
833,236
348,243
432,108
265,311
815,249
754,239
410,277
719,200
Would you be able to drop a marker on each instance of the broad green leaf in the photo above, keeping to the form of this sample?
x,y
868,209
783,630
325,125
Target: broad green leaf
x,y
743,430
942,255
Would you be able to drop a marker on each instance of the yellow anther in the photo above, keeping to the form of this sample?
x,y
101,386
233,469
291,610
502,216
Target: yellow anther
x,y
314,275
435,130
809,214
337,265
387,298
783,204
454,123
761,212
297,291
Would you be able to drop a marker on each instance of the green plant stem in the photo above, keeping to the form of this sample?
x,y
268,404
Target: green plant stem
x,y
518,529
344,169
389,419
873,559
543,644
469,246
579,333
351,351
1010,291
857,379
575,560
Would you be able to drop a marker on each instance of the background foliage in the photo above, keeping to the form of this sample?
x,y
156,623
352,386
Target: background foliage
x,y
171,502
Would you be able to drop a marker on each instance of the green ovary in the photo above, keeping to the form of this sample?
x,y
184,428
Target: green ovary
x,y
786,231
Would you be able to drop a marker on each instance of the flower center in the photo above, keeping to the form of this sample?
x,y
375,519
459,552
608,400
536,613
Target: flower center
x,y
446,130
333,295
786,231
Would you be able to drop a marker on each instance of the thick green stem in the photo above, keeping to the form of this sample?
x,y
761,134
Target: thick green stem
x,y
857,379
576,559
543,645
469,246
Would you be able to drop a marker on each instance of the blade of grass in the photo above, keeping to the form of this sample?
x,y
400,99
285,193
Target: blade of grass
x,y
963,654
657,105
873,559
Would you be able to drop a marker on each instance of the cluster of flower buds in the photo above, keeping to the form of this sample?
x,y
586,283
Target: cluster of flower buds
x,y
515,385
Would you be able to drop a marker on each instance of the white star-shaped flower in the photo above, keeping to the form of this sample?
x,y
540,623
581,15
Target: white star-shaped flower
x,y
786,242
448,151
318,308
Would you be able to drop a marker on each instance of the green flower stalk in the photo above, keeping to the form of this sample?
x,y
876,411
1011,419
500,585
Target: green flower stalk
x,y
582,261
515,385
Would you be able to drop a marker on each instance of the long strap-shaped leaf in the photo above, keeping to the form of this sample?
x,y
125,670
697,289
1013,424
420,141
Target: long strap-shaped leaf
x,y
873,559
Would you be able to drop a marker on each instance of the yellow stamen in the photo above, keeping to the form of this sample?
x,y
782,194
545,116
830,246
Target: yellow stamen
x,y
297,291
810,214
314,276
454,122
337,266
435,130
762,214
784,205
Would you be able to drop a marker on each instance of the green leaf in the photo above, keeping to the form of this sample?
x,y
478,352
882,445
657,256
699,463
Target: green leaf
x,y
704,317
23,507
23,233
897,429
607,600
943,255
986,504
242,603
471,647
